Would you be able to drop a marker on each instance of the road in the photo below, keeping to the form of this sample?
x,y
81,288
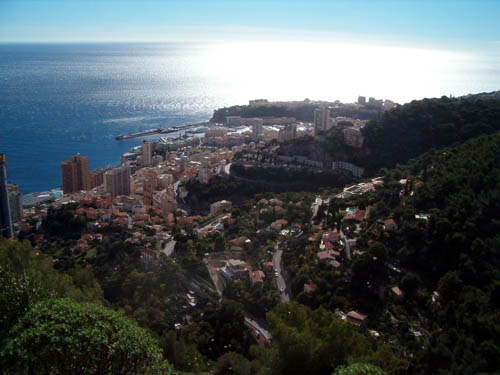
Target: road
x,y
347,246
280,280
252,324
194,284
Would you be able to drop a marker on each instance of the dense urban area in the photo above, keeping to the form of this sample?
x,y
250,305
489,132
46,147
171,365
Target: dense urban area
x,y
302,237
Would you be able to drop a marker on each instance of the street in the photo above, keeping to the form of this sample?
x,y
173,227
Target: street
x,y
280,280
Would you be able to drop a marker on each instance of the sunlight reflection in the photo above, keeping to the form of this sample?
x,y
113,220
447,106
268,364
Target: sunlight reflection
x,y
329,71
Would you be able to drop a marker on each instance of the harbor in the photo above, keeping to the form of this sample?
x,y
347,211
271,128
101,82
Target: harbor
x,y
168,130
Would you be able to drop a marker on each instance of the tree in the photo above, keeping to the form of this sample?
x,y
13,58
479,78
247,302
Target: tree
x,y
358,369
26,279
233,364
65,337
316,342
220,244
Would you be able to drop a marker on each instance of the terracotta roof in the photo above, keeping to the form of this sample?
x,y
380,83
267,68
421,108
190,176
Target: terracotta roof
x,y
240,241
257,276
358,215
309,288
355,317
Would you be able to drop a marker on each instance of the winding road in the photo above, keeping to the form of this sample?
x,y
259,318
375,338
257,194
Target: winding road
x,y
280,280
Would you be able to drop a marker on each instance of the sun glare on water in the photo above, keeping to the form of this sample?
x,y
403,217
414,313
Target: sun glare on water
x,y
331,71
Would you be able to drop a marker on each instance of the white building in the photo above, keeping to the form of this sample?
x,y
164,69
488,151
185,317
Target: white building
x,y
344,167
287,133
257,130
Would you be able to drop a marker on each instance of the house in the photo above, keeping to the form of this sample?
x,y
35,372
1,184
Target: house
x,y
191,299
397,292
257,276
310,288
356,318
327,255
329,240
279,224
355,215
220,206
275,202
390,225
149,256
234,268
239,242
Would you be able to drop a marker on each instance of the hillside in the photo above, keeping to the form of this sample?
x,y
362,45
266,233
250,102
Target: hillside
x,y
303,112
405,132
410,130
444,256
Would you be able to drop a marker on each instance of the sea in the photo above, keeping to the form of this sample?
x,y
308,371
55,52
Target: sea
x,y
57,100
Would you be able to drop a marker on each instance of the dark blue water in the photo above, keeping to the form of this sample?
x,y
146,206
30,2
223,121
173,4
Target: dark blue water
x,y
57,100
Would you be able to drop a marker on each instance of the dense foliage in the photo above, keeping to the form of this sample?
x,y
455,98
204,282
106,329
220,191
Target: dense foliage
x,y
291,179
65,337
456,252
316,342
410,130
443,256
358,369
26,279
201,196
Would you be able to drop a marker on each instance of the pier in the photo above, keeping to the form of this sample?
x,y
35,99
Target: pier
x,y
168,130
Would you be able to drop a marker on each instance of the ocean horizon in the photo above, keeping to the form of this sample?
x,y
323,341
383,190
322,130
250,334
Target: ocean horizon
x,y
57,100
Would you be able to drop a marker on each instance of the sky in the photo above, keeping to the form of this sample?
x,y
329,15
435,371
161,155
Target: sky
x,y
425,23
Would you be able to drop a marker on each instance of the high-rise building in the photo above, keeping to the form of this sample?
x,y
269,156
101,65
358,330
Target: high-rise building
x,y
321,120
184,162
96,178
148,187
168,203
257,130
75,174
147,153
15,202
117,181
5,218
362,100
287,133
